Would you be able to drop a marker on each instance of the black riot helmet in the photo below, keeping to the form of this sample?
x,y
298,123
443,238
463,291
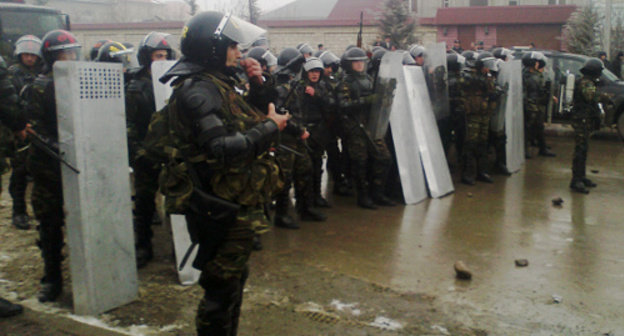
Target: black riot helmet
x,y
57,41
352,55
28,44
152,42
377,56
289,62
350,46
486,60
455,62
114,52
470,57
593,67
304,49
261,41
263,56
207,36
96,48
501,53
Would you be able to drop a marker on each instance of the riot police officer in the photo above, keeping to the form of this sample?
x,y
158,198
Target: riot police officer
x,y
536,97
585,119
456,64
140,106
355,97
47,192
22,73
222,140
478,89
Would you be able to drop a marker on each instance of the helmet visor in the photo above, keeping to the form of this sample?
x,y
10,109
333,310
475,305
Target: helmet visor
x,y
270,59
239,31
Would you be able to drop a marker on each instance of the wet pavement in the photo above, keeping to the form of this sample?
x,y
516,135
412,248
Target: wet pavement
x,y
574,251
390,271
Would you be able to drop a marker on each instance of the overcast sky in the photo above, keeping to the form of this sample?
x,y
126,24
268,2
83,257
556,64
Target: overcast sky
x,y
265,5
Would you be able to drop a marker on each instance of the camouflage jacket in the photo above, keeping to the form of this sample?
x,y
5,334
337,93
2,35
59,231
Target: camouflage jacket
x,y
355,97
477,90
248,178
20,75
586,99
535,93
311,110
456,80
10,114
140,107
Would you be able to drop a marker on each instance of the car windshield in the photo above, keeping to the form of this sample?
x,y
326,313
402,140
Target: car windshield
x,y
16,23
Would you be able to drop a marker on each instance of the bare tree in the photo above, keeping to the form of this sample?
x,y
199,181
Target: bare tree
x,y
254,11
194,6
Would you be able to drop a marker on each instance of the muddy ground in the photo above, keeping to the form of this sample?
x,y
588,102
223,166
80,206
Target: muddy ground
x,y
390,272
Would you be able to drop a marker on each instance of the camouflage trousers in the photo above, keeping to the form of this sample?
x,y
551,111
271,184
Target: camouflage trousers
x,y
224,274
582,130
18,182
47,202
475,145
369,161
534,128
297,169
145,188
320,138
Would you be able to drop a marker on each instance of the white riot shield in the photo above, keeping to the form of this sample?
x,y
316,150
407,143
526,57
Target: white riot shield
x,y
514,116
92,136
437,79
426,132
403,130
181,240
497,122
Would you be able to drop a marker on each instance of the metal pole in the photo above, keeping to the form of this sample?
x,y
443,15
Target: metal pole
x,y
607,28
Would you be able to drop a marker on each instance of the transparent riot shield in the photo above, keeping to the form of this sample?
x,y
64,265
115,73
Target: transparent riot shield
x,y
92,138
514,115
402,127
181,239
426,133
497,122
436,75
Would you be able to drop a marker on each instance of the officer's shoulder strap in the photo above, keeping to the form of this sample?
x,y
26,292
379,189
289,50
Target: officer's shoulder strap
x,y
200,96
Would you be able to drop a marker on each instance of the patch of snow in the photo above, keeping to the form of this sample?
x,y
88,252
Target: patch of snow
x,y
348,307
385,323
441,329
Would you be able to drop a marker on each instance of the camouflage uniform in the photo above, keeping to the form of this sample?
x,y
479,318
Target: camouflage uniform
x,y
140,107
10,114
355,96
458,115
476,91
312,113
535,102
20,76
47,192
205,116
585,119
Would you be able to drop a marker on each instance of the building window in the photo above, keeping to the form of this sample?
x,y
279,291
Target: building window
x,y
478,2
513,3
556,2
445,3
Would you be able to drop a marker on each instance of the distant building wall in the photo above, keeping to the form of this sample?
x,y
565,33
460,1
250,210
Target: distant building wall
x,y
335,39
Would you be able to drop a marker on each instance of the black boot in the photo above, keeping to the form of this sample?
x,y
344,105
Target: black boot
x,y
544,151
501,169
144,254
484,177
309,214
8,309
320,202
379,198
21,221
282,219
589,183
50,290
342,187
579,186
257,243
468,180
363,198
